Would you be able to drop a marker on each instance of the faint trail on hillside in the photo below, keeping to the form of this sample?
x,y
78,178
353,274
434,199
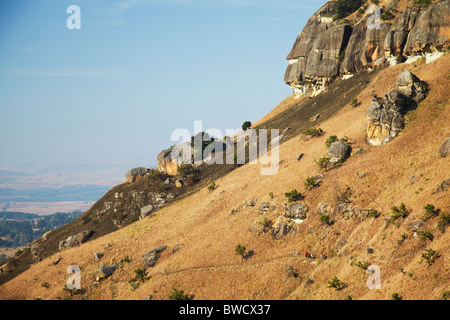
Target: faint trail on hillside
x,y
230,266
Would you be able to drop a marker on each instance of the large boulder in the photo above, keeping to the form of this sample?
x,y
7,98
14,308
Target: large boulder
x,y
136,173
146,211
411,86
75,240
338,151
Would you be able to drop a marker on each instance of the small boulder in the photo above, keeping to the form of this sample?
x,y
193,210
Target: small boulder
x,y
146,211
106,271
444,149
150,257
178,183
98,256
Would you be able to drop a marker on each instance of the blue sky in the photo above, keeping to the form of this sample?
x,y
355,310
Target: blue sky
x,y
113,91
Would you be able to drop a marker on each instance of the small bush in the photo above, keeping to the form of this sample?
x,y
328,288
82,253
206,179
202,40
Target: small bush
x,y
177,295
313,132
310,183
354,102
421,3
426,235
323,162
444,221
294,195
398,212
373,214
396,296
185,169
266,223
325,219
336,283
429,256
246,125
212,186
45,285
18,252
430,212
140,275
240,250
363,265
330,140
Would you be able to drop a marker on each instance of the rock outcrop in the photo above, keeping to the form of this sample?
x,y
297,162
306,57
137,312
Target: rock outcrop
x,y
136,173
75,240
150,257
385,116
327,49
338,151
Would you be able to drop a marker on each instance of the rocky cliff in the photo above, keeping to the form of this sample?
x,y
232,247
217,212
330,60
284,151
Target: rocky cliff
x,y
368,38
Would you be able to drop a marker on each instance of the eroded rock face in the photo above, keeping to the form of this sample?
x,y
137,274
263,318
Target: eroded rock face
x,y
444,149
385,116
150,257
328,49
167,164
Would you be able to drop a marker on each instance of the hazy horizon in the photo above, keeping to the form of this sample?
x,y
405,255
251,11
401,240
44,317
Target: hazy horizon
x,y
111,93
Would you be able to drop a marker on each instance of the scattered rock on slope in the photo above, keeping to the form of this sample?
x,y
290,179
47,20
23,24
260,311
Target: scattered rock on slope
x,y
75,240
444,149
150,257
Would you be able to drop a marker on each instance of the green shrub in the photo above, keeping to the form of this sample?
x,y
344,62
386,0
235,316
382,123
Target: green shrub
x,y
177,295
45,285
354,102
186,169
310,183
344,8
140,275
444,221
246,125
426,235
330,140
266,223
421,3
430,256
240,250
294,195
336,283
363,265
325,219
18,252
398,212
396,296
313,132
212,186
430,212
373,214
322,163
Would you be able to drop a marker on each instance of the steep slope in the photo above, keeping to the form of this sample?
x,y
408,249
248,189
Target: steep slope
x,y
202,230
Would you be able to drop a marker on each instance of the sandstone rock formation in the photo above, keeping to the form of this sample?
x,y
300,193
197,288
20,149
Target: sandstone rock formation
x,y
385,116
327,49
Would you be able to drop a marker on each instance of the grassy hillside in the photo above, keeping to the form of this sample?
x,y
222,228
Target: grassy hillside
x,y
203,229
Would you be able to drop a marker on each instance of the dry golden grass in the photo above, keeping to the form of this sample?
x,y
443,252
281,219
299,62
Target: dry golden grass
x,y
206,266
